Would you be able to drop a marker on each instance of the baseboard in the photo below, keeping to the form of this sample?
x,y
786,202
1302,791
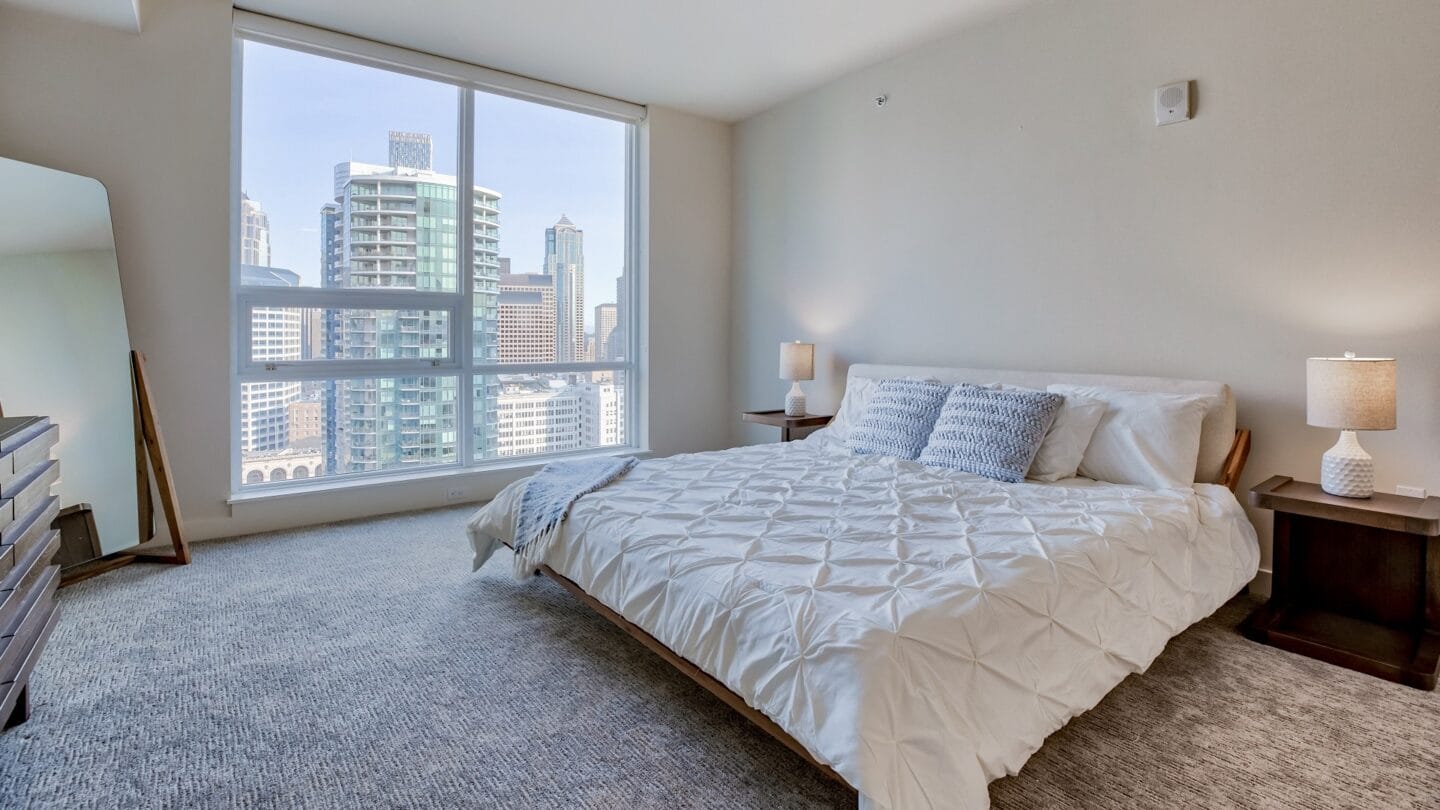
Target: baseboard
x,y
1260,585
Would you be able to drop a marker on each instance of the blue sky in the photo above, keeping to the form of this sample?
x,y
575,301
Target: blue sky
x,y
302,114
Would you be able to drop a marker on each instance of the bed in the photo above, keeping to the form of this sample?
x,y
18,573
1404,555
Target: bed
x,y
913,632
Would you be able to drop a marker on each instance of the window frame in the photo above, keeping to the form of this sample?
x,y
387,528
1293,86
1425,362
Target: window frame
x,y
467,79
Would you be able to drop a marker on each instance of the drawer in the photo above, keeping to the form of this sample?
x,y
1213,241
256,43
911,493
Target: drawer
x,y
37,603
27,571
27,455
30,526
32,486
10,691
34,426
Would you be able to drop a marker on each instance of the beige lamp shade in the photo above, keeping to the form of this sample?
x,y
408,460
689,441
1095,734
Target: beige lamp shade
x,y
1350,393
797,361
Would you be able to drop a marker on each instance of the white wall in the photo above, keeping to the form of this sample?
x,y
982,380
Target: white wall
x,y
64,356
1013,205
689,181
149,116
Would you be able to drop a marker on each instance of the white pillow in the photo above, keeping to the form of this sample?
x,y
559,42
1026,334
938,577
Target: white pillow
x,y
1144,438
1065,442
858,391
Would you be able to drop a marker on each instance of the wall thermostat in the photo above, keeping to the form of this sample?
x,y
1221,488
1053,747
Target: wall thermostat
x,y
1172,103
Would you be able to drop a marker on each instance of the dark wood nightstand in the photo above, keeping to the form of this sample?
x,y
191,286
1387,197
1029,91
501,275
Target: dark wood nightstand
x,y
787,424
1356,580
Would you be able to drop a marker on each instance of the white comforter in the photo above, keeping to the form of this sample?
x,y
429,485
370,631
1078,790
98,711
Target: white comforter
x,y
921,631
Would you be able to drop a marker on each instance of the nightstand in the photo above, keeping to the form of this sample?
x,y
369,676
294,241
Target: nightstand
x,y
1356,580
787,424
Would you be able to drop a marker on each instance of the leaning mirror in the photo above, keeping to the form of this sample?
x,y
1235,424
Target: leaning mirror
x,y
65,356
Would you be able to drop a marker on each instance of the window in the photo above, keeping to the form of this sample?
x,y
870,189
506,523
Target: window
x,y
433,263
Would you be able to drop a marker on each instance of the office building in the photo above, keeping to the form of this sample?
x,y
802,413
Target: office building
x,y
275,335
606,318
565,261
526,318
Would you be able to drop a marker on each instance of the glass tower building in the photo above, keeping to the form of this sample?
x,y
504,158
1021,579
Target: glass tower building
x,y
565,262
395,227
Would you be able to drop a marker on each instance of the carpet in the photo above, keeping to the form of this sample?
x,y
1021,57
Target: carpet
x,y
362,665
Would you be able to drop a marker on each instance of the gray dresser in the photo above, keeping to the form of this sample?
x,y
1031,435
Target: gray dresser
x,y
28,577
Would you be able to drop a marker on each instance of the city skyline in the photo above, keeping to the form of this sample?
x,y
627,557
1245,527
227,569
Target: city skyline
x,y
303,113
394,226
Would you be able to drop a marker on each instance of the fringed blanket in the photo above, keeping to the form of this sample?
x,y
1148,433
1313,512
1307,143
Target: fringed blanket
x,y
547,500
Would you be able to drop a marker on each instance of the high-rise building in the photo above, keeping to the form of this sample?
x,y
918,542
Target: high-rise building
x,y
411,150
565,261
534,416
307,425
275,334
332,268
602,414
312,334
397,229
527,318
606,317
538,416
618,337
254,233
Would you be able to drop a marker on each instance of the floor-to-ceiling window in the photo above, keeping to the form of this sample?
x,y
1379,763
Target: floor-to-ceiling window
x,y
434,263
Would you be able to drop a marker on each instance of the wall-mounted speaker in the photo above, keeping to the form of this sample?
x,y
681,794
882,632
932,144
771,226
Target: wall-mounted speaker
x,y
1172,103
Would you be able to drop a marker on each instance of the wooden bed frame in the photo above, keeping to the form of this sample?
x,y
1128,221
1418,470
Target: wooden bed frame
x,y
1229,477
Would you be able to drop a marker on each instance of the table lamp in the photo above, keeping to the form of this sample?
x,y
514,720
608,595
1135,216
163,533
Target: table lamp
x,y
797,362
1350,393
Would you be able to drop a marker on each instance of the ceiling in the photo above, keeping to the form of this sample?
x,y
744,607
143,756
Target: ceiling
x,y
49,211
725,60
121,14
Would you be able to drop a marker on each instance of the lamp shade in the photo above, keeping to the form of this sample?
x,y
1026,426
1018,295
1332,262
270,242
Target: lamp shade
x,y
797,361
1350,393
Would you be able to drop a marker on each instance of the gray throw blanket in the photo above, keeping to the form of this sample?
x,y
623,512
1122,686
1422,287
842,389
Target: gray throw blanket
x,y
547,500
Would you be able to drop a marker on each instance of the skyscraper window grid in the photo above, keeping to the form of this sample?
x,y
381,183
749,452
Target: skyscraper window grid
x,y
387,301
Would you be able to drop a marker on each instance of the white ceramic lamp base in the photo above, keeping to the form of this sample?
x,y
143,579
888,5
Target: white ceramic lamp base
x,y
1347,470
795,401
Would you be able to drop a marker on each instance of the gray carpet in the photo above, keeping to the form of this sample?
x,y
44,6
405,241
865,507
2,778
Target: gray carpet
x,y
360,665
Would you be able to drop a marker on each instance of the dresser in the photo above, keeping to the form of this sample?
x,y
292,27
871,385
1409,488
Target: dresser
x,y
28,577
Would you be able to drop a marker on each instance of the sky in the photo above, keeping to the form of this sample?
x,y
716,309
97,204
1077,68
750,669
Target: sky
x,y
303,114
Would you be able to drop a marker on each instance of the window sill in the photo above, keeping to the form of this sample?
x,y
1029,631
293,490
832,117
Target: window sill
x,y
448,473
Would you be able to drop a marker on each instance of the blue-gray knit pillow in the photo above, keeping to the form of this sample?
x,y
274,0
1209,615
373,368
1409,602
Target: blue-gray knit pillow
x,y
898,418
994,432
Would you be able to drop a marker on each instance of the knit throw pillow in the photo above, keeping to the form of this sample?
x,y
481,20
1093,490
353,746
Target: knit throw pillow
x,y
898,418
994,432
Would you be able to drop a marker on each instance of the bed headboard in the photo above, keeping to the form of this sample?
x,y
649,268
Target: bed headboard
x,y
1217,432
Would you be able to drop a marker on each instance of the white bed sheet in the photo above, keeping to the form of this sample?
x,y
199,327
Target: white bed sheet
x,y
919,630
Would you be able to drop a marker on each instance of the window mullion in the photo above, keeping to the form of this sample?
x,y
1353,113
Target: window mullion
x,y
635,385
463,327
282,371
550,368
344,298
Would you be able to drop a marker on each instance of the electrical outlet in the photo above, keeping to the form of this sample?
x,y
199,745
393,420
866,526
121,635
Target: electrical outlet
x,y
1409,491
456,494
